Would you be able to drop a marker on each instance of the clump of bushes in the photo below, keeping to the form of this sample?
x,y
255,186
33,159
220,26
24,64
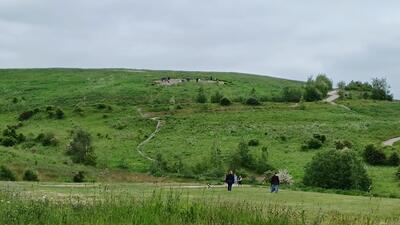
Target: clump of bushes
x,y
55,113
291,94
317,89
6,174
316,142
47,139
394,159
201,96
26,115
216,97
80,148
253,142
103,106
225,101
252,101
374,156
340,145
11,137
338,170
242,158
79,177
30,175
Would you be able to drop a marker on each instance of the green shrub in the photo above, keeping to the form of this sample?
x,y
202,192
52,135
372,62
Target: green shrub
x,y
201,96
6,174
159,166
394,159
8,141
343,144
398,173
253,142
59,114
311,92
79,177
26,115
225,101
291,94
80,148
320,137
30,175
102,106
338,170
374,156
216,97
49,139
252,101
314,143
381,90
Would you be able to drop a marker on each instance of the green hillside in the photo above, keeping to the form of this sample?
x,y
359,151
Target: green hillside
x,y
115,107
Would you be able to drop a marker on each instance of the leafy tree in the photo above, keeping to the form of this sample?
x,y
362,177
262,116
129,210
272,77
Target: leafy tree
x,y
323,84
225,101
341,85
79,177
381,90
80,148
252,101
311,91
374,156
337,169
159,166
291,94
242,157
6,174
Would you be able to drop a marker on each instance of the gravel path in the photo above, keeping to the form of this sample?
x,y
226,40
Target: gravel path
x,y
139,148
333,96
391,142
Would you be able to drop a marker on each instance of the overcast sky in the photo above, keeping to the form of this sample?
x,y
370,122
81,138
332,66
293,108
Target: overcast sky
x,y
357,39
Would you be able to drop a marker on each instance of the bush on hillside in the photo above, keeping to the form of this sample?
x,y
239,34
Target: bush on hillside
x,y
320,137
394,159
159,166
80,148
26,115
285,177
313,143
102,106
253,142
79,177
291,94
398,173
216,97
225,101
311,92
381,90
6,174
374,156
343,144
338,170
358,86
201,96
59,114
323,84
8,141
30,175
252,101
48,139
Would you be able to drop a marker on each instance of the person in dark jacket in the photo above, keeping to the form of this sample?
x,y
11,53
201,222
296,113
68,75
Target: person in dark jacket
x,y
274,183
230,180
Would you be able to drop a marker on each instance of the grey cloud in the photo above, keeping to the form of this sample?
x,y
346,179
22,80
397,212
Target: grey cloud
x,y
293,39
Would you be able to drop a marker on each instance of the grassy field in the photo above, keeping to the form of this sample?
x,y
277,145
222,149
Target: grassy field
x,y
189,130
56,203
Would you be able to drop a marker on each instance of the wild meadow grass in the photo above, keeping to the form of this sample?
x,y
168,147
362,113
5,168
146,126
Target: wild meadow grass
x,y
161,207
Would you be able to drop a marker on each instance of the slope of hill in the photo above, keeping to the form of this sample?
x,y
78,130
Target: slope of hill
x,y
106,103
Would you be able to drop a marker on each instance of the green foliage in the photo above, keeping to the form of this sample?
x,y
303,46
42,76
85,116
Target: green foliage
x,y
358,86
338,170
80,148
225,101
398,174
30,175
340,145
201,96
59,114
311,91
79,177
341,85
374,156
47,139
6,174
159,167
26,115
394,159
252,101
323,84
381,90
291,94
316,142
253,142
217,97
242,157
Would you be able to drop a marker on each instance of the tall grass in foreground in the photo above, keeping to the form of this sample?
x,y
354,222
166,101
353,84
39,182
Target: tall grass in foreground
x,y
167,209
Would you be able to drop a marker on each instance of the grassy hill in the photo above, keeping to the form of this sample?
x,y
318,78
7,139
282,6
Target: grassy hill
x,y
109,101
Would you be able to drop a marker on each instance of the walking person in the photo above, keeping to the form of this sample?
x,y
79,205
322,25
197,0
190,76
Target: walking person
x,y
230,179
274,183
240,179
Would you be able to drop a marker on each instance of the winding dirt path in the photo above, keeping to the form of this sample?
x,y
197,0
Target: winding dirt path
x,y
333,96
139,147
391,142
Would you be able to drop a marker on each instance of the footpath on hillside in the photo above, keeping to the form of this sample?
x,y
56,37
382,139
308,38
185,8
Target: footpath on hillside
x,y
334,95
139,147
